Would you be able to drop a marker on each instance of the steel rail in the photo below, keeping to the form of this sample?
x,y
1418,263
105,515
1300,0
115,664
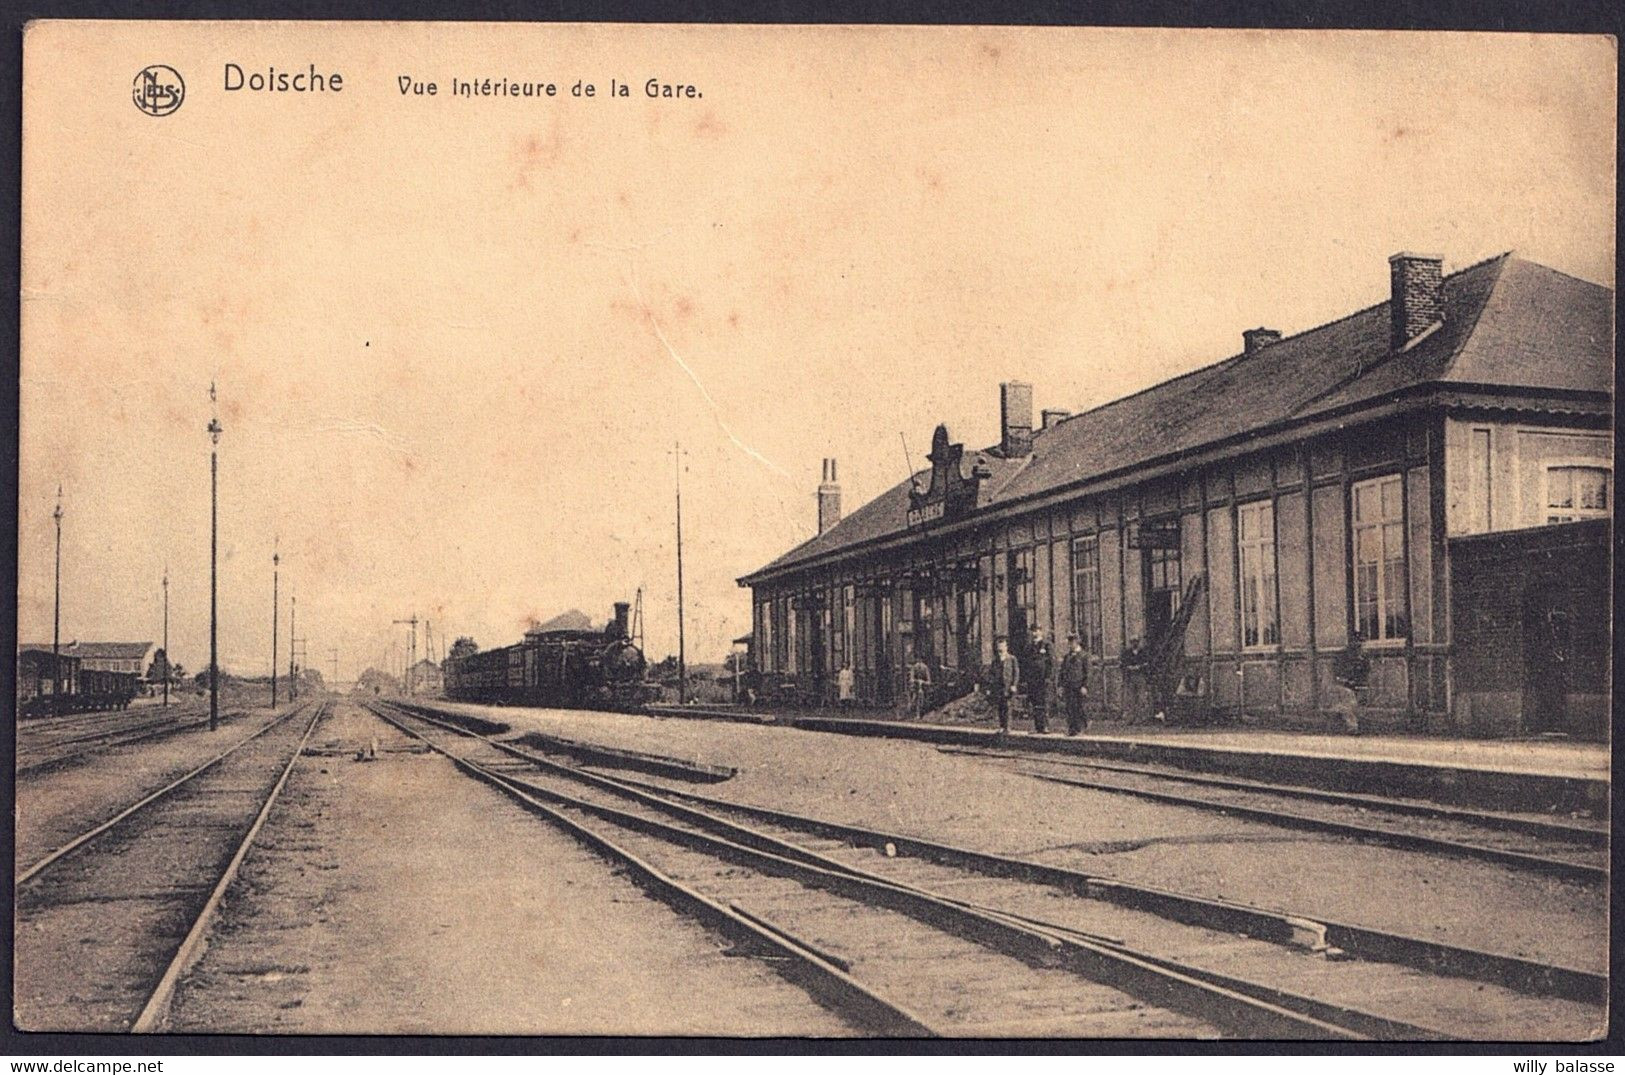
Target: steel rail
x,y
1280,927
87,719
112,740
85,837
158,1001
111,736
1353,1019
1395,838
1580,834
807,967
1522,975
1162,983
82,729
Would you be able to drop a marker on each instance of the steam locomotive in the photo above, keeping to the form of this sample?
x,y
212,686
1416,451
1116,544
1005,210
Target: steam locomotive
x,y
570,669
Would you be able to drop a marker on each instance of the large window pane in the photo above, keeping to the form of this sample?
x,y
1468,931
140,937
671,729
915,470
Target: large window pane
x,y
1576,492
1086,593
1380,591
1260,625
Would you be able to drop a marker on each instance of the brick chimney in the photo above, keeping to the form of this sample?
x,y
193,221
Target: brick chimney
x,y
1054,417
1015,419
829,498
1256,339
1417,303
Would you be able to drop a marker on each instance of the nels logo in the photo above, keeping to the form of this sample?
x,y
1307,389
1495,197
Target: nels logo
x,y
158,90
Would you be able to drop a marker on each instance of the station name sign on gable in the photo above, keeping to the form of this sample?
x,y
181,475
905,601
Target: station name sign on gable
x,y
950,494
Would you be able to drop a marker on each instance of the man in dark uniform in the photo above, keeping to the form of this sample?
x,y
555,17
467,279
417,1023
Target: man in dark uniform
x,y
1134,682
1036,677
1003,680
1075,685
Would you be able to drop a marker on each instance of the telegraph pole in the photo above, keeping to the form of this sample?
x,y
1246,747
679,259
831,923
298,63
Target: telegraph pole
x,y
293,669
276,560
333,655
166,636
682,662
214,429
406,673
56,624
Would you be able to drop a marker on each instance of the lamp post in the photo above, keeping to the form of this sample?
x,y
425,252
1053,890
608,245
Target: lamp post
x,y
56,619
214,429
682,656
276,559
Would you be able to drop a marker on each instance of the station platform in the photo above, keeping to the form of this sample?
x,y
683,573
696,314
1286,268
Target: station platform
x,y
1536,775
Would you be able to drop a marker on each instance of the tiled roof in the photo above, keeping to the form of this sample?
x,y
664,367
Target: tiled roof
x,y
1509,323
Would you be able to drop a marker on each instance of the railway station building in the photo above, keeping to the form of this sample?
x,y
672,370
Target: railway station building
x,y
105,656
1427,481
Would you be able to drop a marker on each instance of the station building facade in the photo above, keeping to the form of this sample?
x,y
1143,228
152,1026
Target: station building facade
x,y
104,656
1399,478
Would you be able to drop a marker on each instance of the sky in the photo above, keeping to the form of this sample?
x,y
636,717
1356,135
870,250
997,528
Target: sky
x,y
455,340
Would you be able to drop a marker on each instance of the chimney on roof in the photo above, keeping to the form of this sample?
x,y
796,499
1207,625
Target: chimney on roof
x,y
829,498
1417,303
1256,339
1054,417
1015,419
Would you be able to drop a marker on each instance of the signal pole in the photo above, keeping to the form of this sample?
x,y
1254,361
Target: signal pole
x,y
333,655
682,663
166,636
293,669
276,560
406,673
56,619
214,429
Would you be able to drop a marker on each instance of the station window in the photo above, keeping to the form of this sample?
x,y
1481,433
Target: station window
x,y
1574,493
764,638
1022,576
1260,625
1380,607
781,655
1023,598
1162,590
787,636
849,624
1086,593
962,643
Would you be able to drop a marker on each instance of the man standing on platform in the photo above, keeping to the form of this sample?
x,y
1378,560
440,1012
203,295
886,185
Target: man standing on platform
x,y
1003,680
1134,685
1036,676
919,687
1074,685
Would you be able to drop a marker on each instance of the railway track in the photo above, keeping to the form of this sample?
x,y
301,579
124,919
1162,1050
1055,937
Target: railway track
x,y
38,753
1574,852
107,922
1206,980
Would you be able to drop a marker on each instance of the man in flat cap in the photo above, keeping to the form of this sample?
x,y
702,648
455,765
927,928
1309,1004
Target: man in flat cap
x,y
1074,683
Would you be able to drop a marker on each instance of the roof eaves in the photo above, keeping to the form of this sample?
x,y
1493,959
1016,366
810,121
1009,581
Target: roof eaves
x,y
1118,478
